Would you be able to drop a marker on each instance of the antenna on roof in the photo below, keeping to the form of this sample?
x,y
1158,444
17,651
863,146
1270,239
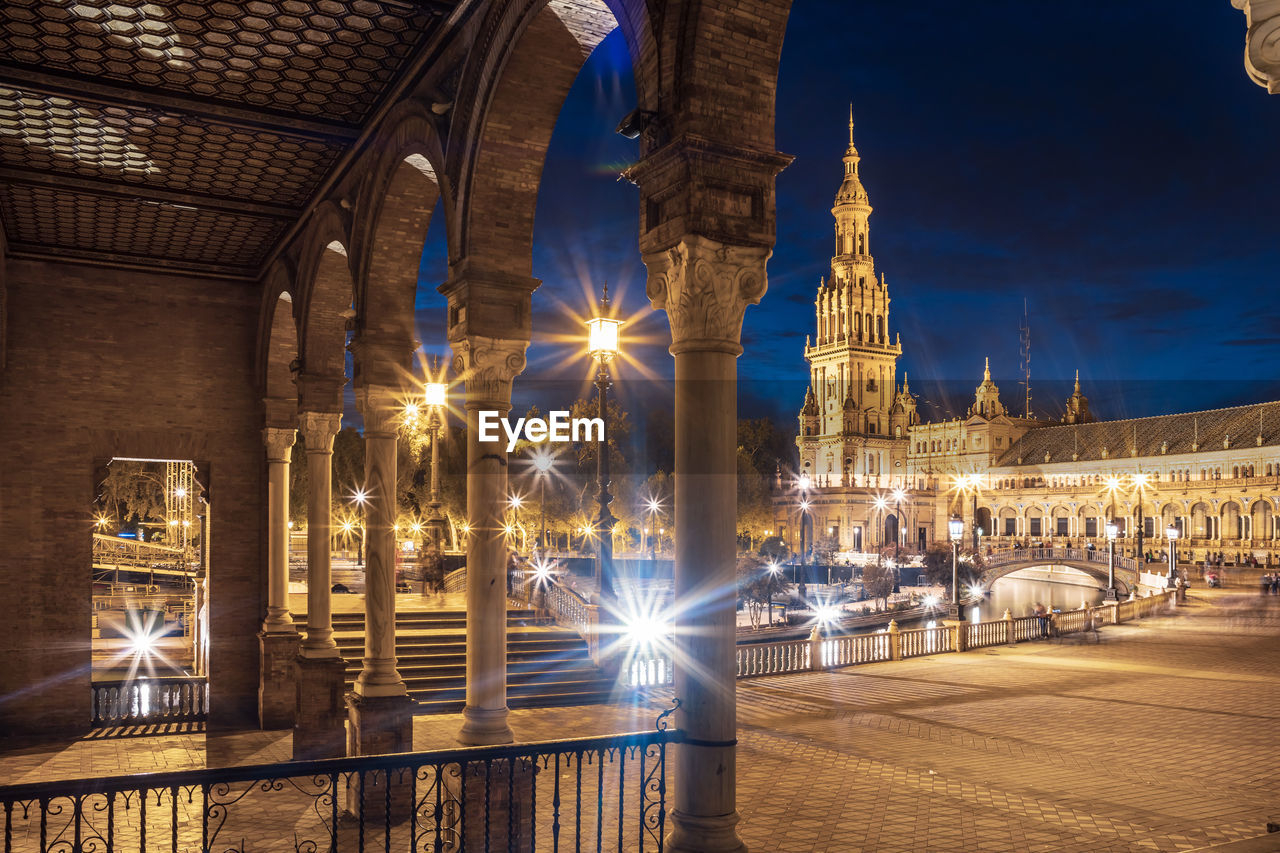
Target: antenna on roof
x,y
1024,336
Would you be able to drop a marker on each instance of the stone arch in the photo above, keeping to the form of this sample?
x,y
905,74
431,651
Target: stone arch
x,y
397,200
277,356
519,87
277,352
327,289
1199,514
1231,520
1260,514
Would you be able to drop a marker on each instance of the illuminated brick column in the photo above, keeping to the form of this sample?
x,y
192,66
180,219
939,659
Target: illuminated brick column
x,y
487,367
705,287
278,640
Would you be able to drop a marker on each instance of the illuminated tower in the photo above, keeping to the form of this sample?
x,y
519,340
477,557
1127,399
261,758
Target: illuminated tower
x,y
851,431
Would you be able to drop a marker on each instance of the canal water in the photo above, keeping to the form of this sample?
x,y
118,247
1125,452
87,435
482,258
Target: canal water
x,y
1057,589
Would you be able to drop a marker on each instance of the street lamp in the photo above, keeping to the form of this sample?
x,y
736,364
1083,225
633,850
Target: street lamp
x,y
1172,533
898,495
602,345
359,497
804,483
1140,481
435,397
542,463
652,507
1113,530
956,528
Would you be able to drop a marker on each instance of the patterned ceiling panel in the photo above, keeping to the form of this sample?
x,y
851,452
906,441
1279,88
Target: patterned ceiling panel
x,y
40,216
319,57
141,146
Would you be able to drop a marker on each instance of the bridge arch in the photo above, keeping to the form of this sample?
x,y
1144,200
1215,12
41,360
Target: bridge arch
x,y
1091,562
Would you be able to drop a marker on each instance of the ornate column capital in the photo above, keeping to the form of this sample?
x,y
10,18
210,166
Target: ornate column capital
x,y
279,442
379,406
1262,42
318,430
487,367
705,287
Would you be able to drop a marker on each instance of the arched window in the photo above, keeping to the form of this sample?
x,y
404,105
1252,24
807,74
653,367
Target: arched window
x,y
857,325
862,244
880,329
868,327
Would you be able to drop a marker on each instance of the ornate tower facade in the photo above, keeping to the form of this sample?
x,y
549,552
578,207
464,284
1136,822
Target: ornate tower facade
x,y
853,427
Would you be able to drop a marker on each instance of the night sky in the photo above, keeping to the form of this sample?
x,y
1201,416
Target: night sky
x,y
1110,163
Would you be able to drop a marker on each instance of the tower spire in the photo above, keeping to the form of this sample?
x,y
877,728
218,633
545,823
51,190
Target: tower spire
x,y
851,124
986,370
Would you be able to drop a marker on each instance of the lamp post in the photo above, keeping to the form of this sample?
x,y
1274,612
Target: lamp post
x,y
898,495
804,510
956,527
1140,481
652,507
542,462
1171,532
360,499
602,345
1112,531
436,398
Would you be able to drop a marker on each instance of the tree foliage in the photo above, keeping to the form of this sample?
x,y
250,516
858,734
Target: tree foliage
x,y
877,582
757,585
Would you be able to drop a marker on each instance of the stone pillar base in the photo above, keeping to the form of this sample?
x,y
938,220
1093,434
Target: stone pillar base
x,y
320,720
379,725
504,794
277,679
485,727
704,834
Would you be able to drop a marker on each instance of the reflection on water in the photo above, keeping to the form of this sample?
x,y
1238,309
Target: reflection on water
x,y
1019,595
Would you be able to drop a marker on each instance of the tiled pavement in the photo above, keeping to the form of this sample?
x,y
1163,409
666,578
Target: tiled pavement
x,y
1164,736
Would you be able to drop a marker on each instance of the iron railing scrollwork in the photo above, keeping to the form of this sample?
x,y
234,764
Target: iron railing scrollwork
x,y
602,793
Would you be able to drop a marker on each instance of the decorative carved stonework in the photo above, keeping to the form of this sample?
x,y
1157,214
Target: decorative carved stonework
x,y
487,367
279,443
705,288
318,430
1262,41
378,406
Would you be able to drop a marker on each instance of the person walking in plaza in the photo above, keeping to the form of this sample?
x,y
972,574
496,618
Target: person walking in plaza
x,y
433,571
1042,613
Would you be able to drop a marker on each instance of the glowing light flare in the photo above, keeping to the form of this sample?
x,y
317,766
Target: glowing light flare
x,y
825,615
804,482
435,394
898,495
603,338
881,503
975,590
180,492
515,501
360,496
930,600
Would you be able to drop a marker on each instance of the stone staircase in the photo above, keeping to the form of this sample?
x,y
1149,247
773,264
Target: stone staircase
x,y
546,665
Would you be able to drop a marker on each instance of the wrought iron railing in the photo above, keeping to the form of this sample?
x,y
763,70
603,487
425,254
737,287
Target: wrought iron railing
x,y
603,793
139,701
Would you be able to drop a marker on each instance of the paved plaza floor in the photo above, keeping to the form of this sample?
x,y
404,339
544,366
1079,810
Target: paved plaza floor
x,y
1163,736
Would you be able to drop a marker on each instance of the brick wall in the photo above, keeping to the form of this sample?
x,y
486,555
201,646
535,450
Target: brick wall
x,y
104,363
